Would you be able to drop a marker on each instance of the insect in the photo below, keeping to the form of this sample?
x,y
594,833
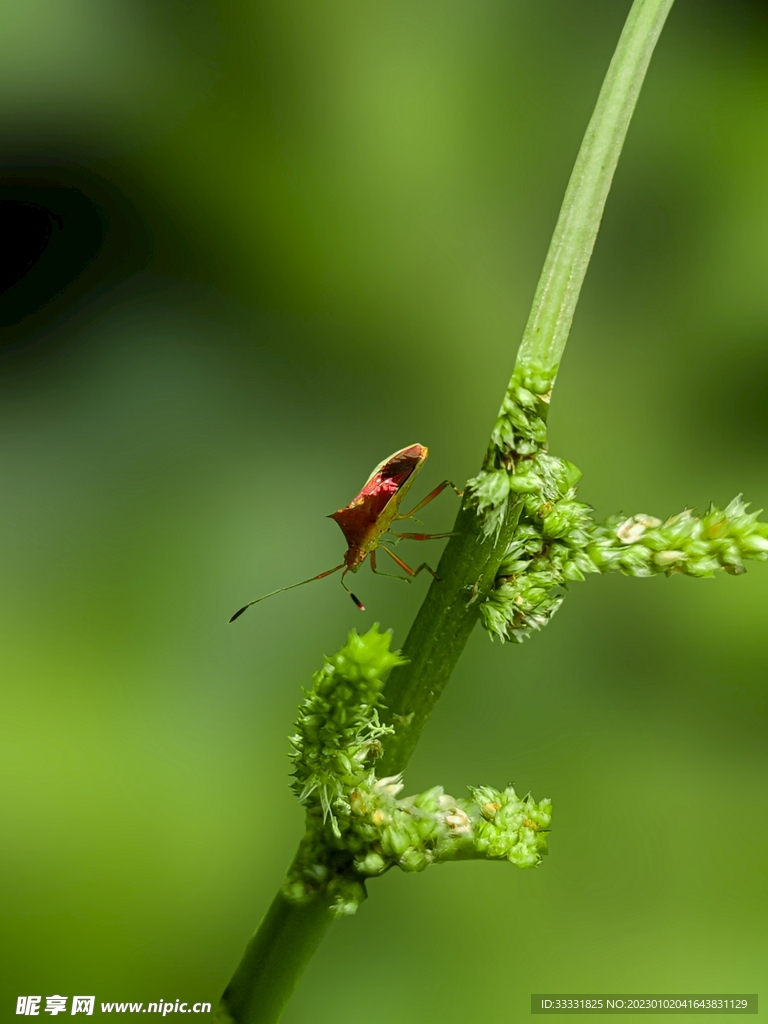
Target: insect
x,y
368,517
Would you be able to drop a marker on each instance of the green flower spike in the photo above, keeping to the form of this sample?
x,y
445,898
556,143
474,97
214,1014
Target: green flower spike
x,y
511,464
557,542
358,826
338,731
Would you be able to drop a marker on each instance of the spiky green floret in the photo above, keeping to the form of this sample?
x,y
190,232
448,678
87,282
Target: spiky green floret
x,y
383,831
433,827
519,436
338,732
509,827
358,826
697,546
547,551
558,542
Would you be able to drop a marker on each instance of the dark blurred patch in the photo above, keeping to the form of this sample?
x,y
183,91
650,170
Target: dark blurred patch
x,y
50,235
731,398
746,16
652,222
749,387
741,20
643,216
26,231
64,235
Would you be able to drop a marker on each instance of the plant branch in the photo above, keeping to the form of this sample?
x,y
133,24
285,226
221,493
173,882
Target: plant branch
x,y
566,264
273,961
275,958
468,567
466,571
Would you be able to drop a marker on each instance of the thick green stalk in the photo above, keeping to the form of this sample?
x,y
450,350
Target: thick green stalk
x,y
276,956
441,629
273,962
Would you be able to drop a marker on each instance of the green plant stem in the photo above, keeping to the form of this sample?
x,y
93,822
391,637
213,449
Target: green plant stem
x,y
273,962
445,620
443,625
285,940
574,237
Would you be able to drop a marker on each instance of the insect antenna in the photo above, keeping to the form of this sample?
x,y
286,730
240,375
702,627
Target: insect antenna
x,y
311,579
357,600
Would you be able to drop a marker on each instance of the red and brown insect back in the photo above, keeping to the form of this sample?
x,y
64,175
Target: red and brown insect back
x,y
368,517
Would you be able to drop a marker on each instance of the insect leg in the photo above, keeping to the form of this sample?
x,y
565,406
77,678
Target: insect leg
x,y
392,575
405,567
420,536
431,496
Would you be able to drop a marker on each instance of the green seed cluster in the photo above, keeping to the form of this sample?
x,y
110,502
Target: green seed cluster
x,y
519,436
338,733
358,826
433,827
382,831
697,546
558,543
548,550
510,828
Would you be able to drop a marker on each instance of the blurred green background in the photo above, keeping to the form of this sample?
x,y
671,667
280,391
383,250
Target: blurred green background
x,y
294,236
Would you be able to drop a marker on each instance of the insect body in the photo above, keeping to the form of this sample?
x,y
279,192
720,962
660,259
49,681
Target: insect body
x,y
368,517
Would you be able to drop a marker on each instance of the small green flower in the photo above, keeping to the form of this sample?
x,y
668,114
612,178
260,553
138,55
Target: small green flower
x,y
519,436
358,825
557,542
338,732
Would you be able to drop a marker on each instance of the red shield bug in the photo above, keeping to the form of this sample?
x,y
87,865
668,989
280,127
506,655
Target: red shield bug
x,y
368,517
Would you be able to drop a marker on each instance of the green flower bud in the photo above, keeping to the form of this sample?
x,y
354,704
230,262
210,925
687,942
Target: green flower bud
x,y
414,860
296,892
372,864
735,569
348,894
524,483
667,558
525,397
395,840
429,799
